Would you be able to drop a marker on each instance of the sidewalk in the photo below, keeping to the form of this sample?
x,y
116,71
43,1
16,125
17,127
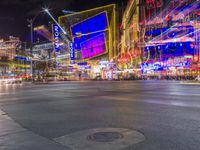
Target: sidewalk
x,y
190,82
14,137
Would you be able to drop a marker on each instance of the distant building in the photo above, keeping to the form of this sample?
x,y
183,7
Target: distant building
x,y
8,47
171,38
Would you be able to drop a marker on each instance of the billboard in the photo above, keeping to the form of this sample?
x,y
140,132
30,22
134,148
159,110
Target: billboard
x,y
93,47
89,28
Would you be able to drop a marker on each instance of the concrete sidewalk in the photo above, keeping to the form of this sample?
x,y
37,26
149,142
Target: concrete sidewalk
x,y
14,137
190,82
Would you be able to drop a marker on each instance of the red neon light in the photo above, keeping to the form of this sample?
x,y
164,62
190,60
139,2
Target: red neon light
x,y
130,1
121,26
154,3
149,2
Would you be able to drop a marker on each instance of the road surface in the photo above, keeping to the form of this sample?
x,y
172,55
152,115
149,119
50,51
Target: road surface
x,y
166,113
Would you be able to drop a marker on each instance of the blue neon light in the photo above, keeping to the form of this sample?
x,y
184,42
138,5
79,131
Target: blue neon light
x,y
93,47
158,48
22,58
191,32
169,33
156,32
93,24
56,35
82,63
72,53
158,66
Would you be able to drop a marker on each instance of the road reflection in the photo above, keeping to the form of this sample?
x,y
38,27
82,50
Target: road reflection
x,y
9,88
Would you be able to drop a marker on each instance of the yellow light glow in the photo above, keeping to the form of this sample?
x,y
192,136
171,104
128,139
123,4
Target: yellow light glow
x,y
111,31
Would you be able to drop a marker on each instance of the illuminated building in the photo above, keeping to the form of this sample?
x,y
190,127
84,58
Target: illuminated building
x,y
7,53
130,54
92,33
8,48
49,46
171,38
43,31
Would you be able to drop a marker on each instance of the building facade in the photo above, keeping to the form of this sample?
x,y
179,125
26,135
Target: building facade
x,y
92,38
92,33
171,39
130,52
8,47
7,54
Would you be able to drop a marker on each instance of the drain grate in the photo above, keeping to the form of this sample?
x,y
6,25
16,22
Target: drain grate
x,y
105,136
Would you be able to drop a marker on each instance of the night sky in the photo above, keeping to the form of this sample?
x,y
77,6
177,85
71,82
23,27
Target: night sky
x,y
14,13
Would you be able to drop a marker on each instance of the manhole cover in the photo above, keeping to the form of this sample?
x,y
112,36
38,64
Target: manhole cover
x,y
101,139
105,136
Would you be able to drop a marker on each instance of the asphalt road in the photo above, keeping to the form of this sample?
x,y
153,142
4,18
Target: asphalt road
x,y
167,113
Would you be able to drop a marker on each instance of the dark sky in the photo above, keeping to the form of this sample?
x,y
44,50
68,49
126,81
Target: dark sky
x,y
13,13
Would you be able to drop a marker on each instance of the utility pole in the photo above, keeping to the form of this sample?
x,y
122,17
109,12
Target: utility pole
x,y
31,21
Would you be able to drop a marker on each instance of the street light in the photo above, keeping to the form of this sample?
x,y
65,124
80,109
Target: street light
x,y
31,40
31,21
47,11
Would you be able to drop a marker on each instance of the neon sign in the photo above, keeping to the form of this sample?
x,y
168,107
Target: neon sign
x,y
154,3
56,35
72,54
166,65
89,28
93,47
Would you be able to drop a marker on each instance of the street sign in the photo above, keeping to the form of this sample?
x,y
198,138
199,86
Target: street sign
x,y
72,53
56,36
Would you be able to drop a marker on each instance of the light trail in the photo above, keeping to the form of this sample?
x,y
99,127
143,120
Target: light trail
x,y
155,40
47,11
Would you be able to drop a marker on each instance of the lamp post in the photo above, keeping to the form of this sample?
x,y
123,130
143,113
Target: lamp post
x,y
31,21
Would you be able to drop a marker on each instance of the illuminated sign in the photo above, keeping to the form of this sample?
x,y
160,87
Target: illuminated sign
x,y
93,47
154,4
89,28
192,16
56,35
166,65
45,46
72,54
82,63
22,58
